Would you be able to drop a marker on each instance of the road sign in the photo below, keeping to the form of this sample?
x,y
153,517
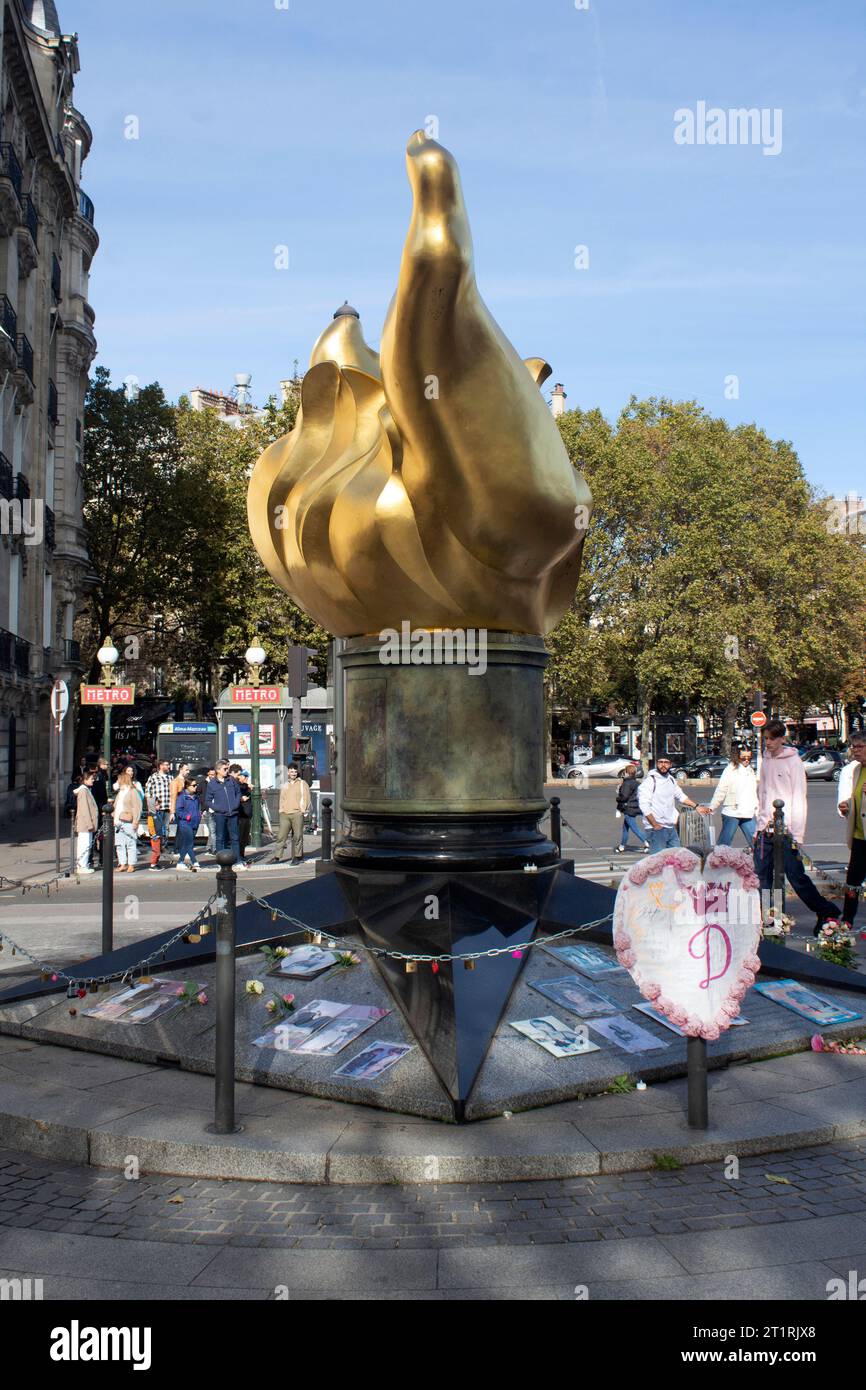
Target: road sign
x,y
59,701
758,719
607,729
107,694
256,694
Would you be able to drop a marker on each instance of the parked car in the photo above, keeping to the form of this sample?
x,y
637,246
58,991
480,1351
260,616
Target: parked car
x,y
823,764
703,769
607,765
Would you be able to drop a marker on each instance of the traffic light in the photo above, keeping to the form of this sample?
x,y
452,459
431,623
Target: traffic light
x,y
301,670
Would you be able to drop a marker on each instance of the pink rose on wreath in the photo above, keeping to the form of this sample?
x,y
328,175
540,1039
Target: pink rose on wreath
x,y
711,1031
627,958
693,1026
817,1043
651,991
664,1004
753,962
201,997
621,940
180,992
730,1008
738,990
678,1016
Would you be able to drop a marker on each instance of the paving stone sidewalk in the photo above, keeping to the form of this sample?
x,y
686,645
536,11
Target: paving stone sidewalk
x,y
782,1229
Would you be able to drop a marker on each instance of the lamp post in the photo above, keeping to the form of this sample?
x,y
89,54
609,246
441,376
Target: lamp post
x,y
108,657
255,659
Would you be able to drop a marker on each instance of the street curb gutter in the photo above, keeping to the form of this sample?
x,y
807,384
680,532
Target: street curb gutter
x,y
517,1151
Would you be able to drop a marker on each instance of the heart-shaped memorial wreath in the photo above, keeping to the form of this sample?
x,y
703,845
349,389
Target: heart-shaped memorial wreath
x,y
689,935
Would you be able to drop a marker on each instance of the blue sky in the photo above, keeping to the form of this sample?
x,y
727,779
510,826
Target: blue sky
x,y
262,127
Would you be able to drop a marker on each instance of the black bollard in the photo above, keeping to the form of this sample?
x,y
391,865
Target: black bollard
x,y
107,878
556,823
779,855
327,818
696,1052
224,1051
71,842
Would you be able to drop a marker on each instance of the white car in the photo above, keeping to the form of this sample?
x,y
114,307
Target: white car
x,y
607,765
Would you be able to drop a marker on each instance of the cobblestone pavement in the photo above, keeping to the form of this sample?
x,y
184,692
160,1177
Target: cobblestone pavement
x,y
49,1196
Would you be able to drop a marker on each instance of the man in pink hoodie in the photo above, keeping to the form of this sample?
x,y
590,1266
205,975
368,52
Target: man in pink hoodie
x,y
783,777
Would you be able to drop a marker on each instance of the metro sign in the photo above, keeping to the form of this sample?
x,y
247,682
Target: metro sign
x,y
107,694
256,694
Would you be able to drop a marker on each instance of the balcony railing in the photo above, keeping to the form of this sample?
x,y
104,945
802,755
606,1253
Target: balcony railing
x,y
85,207
8,318
6,479
71,652
10,168
53,414
55,279
31,217
25,355
14,653
50,541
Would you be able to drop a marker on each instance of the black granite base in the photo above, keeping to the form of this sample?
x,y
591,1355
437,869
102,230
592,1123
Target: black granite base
x,y
453,1011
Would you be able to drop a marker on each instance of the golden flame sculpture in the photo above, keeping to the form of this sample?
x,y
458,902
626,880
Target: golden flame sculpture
x,y
429,484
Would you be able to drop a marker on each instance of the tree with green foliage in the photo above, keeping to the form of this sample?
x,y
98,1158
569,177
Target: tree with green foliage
x,y
709,570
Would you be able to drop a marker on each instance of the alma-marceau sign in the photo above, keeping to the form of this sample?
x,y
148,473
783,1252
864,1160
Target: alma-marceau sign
x,y
689,935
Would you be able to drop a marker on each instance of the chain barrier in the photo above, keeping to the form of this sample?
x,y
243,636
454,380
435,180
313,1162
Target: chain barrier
x,y
44,886
446,956
56,973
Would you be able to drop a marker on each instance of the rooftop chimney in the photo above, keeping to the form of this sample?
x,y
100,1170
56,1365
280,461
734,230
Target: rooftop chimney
x,y
558,399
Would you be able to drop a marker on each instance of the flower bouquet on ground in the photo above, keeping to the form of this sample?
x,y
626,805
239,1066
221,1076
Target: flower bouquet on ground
x,y
847,1049
280,1005
777,925
836,944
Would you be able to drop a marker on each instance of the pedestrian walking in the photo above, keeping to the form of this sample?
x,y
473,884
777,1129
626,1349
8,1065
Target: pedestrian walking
x,y
852,805
187,814
245,810
223,798
295,801
157,794
737,796
628,806
783,777
86,822
658,798
176,786
127,817
203,782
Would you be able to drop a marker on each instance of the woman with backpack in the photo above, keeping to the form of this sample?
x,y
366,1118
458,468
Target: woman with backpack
x,y
628,807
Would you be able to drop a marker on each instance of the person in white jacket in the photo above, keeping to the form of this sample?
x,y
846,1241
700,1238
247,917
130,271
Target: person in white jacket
x,y
737,795
852,805
658,797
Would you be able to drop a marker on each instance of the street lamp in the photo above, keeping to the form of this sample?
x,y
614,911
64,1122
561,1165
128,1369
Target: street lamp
x,y
108,657
255,659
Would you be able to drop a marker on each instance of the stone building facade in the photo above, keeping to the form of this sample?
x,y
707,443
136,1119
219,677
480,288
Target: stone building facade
x,y
47,242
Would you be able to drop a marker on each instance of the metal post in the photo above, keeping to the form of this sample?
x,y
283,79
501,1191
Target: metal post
x,y
106,734
779,855
58,742
107,878
556,823
224,1052
256,828
327,811
696,1052
72,842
